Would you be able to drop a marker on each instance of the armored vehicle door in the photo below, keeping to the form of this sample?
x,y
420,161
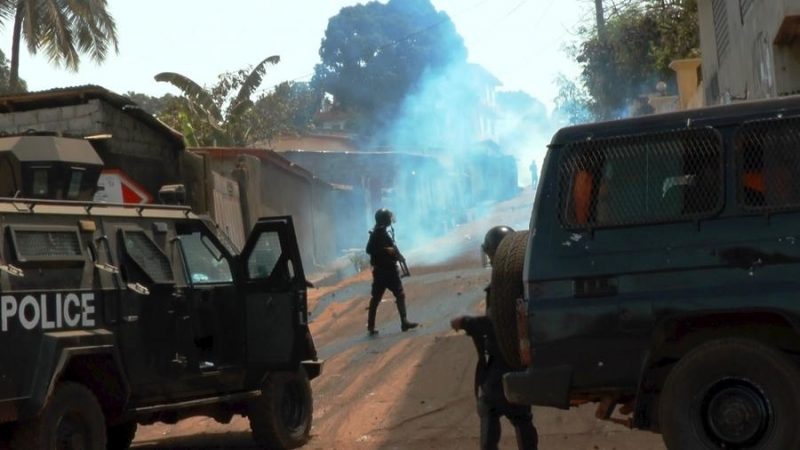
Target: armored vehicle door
x,y
150,309
216,334
274,290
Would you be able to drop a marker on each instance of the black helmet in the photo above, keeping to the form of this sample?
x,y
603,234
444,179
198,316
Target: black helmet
x,y
383,217
493,238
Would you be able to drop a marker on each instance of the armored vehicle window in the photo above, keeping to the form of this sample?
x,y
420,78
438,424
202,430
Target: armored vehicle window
x,y
265,256
46,244
147,256
74,188
640,179
206,262
768,164
41,182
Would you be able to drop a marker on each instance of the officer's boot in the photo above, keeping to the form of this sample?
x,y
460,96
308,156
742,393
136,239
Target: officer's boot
x,y
373,309
405,325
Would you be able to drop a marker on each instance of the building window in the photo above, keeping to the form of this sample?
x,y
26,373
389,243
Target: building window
x,y
720,12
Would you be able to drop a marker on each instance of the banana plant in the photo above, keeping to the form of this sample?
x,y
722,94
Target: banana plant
x,y
225,114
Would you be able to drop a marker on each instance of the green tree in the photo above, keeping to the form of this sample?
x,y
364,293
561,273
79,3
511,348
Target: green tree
x,y
374,54
572,103
63,29
633,53
287,109
153,105
223,114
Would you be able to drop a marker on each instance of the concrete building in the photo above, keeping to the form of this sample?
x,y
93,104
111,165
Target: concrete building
x,y
128,139
267,184
750,49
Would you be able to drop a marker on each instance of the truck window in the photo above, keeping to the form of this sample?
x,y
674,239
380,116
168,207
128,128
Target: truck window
x,y
47,245
641,179
265,256
768,164
146,255
206,262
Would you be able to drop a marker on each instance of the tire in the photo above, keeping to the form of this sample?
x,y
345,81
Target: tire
x,y
733,394
120,436
70,419
281,417
506,288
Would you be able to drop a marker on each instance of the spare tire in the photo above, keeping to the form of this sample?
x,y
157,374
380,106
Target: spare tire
x,y
506,288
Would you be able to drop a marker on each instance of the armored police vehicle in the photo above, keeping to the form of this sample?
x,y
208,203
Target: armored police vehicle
x,y
660,276
113,315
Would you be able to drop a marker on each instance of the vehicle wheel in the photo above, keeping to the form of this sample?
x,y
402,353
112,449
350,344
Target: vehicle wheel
x,y
120,436
506,288
70,420
732,394
281,417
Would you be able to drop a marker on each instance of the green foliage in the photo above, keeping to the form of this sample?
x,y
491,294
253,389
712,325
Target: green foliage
x,y
572,103
5,72
374,54
287,109
640,41
223,115
62,29
153,105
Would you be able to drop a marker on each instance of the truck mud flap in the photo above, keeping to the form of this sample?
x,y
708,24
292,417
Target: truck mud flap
x,y
541,387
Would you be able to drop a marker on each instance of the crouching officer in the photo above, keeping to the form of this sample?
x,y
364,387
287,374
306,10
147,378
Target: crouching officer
x,y
384,256
491,367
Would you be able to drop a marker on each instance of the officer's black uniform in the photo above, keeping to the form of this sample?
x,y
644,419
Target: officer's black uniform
x,y
385,276
492,402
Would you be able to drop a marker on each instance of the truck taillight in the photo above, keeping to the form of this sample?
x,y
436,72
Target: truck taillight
x,y
525,351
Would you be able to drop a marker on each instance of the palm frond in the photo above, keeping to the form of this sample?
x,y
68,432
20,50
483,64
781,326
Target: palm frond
x,y
30,18
193,92
55,34
242,101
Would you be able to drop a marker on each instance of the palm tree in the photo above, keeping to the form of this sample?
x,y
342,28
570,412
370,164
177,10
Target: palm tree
x,y
63,29
224,115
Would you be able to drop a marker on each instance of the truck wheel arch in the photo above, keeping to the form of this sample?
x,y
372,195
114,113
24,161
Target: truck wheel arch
x,y
677,336
99,368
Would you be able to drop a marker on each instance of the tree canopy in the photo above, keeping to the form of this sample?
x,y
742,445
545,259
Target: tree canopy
x,y
62,29
640,39
373,54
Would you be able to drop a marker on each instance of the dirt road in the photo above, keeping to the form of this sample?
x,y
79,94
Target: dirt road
x,y
408,390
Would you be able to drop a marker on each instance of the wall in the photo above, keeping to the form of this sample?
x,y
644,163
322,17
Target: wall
x,y
271,186
134,147
756,55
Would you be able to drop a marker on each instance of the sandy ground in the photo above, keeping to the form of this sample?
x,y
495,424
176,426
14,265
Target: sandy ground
x,y
408,390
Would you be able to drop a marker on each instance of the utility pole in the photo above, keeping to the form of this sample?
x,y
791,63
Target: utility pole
x,y
601,20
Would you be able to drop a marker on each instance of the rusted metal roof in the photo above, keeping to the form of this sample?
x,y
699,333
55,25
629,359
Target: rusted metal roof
x,y
53,98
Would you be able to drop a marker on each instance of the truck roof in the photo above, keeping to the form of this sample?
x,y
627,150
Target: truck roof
x,y
692,118
93,209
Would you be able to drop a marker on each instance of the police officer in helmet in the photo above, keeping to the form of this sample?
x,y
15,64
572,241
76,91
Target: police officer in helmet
x,y
492,403
384,256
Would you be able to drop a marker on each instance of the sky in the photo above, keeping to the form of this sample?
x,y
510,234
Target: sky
x,y
522,42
